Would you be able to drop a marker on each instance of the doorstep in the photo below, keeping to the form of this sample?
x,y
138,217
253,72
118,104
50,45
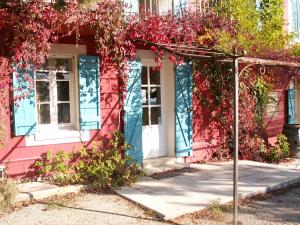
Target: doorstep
x,y
162,164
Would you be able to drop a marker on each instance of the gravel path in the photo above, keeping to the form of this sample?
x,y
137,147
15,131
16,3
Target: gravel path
x,y
86,209
109,209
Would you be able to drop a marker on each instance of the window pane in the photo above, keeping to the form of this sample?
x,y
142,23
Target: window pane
x,y
50,64
63,91
41,75
145,116
63,112
64,64
155,115
144,96
154,76
144,75
42,91
62,76
155,96
58,64
44,113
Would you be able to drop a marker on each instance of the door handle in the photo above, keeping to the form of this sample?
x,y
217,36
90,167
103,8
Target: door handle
x,y
189,109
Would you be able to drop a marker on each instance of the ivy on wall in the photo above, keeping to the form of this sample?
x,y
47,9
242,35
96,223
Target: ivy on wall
x,y
27,29
257,30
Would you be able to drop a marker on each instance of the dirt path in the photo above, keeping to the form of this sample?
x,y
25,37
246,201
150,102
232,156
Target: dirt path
x,y
85,209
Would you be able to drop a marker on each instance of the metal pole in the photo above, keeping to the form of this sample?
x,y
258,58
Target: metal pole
x,y
236,140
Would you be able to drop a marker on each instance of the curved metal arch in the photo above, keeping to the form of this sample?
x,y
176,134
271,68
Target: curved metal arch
x,y
262,68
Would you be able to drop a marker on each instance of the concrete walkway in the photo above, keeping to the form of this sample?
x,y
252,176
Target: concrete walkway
x,y
175,196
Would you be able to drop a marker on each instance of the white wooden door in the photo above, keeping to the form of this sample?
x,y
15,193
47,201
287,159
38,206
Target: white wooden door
x,y
153,124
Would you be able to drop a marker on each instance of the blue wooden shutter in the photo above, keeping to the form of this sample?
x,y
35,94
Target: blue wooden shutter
x,y
183,110
24,113
296,17
89,92
291,105
133,112
131,7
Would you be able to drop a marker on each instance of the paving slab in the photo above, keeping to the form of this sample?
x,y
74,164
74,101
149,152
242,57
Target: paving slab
x,y
39,190
175,196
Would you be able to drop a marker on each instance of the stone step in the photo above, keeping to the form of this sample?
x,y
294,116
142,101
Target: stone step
x,y
162,164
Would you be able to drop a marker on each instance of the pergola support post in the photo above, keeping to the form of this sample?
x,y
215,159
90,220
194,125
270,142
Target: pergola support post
x,y
236,139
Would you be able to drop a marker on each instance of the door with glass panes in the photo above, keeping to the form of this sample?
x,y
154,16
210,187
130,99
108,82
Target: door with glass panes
x,y
153,124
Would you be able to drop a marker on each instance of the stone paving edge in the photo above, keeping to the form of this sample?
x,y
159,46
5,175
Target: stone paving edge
x,y
42,194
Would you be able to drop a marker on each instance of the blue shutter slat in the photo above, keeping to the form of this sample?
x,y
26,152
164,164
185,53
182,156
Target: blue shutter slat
x,y
24,113
183,110
89,92
291,106
133,112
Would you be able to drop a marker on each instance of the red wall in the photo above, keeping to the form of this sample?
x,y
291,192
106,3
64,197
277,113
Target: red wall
x,y
18,158
205,137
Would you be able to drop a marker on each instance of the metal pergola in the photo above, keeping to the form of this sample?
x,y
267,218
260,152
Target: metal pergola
x,y
195,52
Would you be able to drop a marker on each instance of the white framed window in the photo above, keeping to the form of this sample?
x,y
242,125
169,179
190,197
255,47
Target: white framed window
x,y
56,103
57,98
294,18
53,97
151,96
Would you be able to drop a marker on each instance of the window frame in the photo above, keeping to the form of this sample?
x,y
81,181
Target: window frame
x,y
54,125
53,134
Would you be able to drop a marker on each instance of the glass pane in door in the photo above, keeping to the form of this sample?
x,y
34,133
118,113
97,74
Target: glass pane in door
x,y
144,94
145,116
155,115
155,96
154,76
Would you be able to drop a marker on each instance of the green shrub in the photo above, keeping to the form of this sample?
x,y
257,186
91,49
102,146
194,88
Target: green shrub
x,y
99,165
8,191
279,151
296,49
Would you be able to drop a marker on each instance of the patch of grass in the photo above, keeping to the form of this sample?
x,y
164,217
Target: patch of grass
x,y
8,191
215,207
